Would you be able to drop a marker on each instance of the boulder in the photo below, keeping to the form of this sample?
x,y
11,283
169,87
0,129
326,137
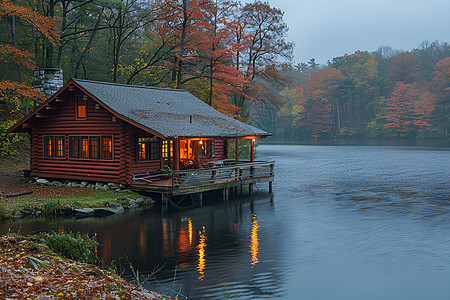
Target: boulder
x,y
84,212
84,183
18,215
113,185
42,181
105,187
133,205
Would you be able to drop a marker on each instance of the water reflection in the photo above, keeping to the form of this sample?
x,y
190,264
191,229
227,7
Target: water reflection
x,y
254,241
201,254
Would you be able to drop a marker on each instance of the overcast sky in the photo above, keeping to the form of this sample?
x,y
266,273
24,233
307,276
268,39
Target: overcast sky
x,y
325,29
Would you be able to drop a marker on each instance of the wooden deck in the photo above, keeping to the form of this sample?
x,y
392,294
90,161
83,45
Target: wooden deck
x,y
214,178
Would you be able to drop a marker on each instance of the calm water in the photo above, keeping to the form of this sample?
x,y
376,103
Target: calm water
x,y
344,222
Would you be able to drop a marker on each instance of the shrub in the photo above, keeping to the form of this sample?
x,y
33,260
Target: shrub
x,y
72,245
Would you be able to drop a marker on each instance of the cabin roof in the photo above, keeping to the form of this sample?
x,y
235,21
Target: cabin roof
x,y
170,112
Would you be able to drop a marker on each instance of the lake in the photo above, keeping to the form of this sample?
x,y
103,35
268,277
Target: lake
x,y
343,222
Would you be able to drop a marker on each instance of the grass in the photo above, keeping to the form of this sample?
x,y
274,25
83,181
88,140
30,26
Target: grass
x,y
48,206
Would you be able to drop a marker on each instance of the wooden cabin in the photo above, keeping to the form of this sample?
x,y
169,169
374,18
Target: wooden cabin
x,y
126,134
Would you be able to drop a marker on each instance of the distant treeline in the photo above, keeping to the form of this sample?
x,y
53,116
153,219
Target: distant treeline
x,y
384,94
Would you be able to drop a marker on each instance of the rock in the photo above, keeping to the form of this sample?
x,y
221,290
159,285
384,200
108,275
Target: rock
x,y
42,181
18,215
90,186
106,211
84,184
126,190
69,183
133,205
55,183
84,212
113,185
98,184
105,187
74,184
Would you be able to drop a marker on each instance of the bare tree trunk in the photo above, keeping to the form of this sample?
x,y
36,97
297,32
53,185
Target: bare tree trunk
x,y
13,31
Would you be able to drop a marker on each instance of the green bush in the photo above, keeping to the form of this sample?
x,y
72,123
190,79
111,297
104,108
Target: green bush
x,y
72,245
8,141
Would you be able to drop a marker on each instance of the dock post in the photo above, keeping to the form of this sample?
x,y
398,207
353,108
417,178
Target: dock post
x,y
165,202
200,199
250,189
270,186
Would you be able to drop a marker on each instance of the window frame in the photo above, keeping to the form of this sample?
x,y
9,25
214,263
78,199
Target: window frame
x,y
85,144
81,99
152,146
49,151
56,149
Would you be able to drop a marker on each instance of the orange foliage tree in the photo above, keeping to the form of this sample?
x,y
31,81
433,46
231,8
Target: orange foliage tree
x,y
10,90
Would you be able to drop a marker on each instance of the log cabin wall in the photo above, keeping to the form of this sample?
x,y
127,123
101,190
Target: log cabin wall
x,y
61,120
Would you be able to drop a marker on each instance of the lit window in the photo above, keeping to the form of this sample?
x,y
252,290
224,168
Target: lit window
x,y
48,146
147,149
59,146
94,147
81,107
84,147
106,147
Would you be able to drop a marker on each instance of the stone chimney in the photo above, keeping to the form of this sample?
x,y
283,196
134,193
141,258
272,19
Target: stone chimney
x,y
48,81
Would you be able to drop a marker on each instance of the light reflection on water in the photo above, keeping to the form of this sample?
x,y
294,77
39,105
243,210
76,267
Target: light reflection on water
x,y
343,223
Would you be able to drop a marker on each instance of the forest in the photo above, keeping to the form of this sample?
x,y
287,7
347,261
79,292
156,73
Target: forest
x,y
233,55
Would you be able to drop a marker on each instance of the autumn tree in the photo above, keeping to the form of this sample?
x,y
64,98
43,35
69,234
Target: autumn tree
x,y
404,67
22,59
441,88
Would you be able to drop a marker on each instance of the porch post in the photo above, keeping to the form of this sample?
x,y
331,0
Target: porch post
x,y
252,142
236,151
176,154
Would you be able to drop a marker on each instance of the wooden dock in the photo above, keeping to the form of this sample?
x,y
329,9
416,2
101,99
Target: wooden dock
x,y
215,178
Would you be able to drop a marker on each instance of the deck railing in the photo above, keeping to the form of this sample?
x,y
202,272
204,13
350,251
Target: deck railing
x,y
224,174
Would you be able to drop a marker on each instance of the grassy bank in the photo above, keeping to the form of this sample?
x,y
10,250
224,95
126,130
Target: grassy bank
x,y
51,206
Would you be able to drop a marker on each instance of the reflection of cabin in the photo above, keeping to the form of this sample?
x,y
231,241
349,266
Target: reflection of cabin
x,y
126,134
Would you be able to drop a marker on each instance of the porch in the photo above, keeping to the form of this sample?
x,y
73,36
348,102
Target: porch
x,y
220,174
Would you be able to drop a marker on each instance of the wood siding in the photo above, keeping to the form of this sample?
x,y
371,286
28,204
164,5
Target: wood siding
x,y
62,121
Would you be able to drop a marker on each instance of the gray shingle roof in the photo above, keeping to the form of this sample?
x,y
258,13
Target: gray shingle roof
x,y
168,111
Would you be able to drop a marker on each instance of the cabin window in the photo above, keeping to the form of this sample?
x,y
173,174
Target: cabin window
x,y
54,146
93,147
48,146
106,147
74,147
59,146
84,147
147,149
81,107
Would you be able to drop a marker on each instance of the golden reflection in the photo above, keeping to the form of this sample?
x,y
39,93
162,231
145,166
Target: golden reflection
x,y
201,254
183,240
254,241
190,231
